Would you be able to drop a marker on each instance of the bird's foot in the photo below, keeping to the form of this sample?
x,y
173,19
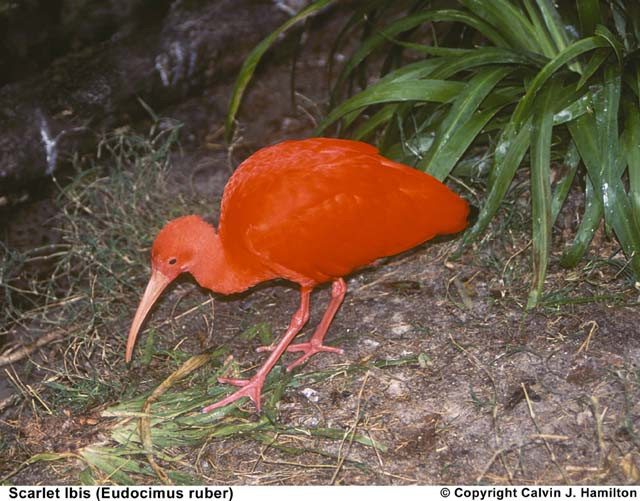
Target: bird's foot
x,y
251,388
309,349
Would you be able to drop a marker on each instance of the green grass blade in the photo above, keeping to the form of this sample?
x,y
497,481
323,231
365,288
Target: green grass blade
x,y
504,169
571,163
450,152
542,127
508,20
430,50
570,53
586,229
589,16
547,46
606,113
554,24
633,15
440,91
606,34
617,207
620,14
404,24
112,464
442,156
597,141
420,119
360,16
484,56
414,71
632,153
252,60
582,105
631,78
417,70
476,23
382,116
597,58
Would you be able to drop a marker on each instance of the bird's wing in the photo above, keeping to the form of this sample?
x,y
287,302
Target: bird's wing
x,y
321,221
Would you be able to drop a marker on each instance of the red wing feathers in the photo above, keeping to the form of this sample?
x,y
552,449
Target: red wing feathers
x,y
315,214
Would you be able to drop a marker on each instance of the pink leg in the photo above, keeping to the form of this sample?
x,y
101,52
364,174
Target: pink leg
x,y
252,388
338,290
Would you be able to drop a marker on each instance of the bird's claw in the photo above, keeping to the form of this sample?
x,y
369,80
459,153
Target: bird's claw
x,y
309,349
251,388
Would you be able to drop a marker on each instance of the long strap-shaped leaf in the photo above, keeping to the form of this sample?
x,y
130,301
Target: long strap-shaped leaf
x,y
589,15
381,117
632,150
484,56
509,21
586,229
252,60
417,70
571,163
440,91
598,143
617,207
571,52
454,136
542,33
408,23
504,170
541,189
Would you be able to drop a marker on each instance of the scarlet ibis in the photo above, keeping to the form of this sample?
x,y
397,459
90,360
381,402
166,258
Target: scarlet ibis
x,y
308,211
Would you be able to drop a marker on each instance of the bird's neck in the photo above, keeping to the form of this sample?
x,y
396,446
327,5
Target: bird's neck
x,y
215,269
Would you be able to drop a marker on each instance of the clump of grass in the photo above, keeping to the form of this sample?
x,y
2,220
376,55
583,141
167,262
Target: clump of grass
x,y
156,423
527,83
93,276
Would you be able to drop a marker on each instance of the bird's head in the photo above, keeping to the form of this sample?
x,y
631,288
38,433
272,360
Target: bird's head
x,y
175,250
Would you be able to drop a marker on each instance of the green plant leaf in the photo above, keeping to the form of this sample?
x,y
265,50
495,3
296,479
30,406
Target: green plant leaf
x,y
252,60
484,56
589,16
440,91
505,165
450,152
598,143
571,52
597,58
454,135
542,35
632,153
508,20
616,204
605,33
570,163
407,23
542,127
554,24
586,229
382,116
582,105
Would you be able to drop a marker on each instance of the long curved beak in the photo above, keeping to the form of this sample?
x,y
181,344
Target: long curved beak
x,y
157,283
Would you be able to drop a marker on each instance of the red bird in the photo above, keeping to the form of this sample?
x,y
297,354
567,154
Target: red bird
x,y
309,211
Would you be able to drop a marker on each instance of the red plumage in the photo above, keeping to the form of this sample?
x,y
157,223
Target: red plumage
x,y
309,211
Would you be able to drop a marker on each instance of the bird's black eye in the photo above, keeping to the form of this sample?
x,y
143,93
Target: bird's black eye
x,y
173,261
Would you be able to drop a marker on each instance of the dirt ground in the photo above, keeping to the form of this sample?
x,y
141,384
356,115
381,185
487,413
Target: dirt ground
x,y
477,390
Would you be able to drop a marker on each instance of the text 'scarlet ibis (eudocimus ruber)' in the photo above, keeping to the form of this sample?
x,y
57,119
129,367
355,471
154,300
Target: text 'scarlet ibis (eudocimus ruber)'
x,y
309,211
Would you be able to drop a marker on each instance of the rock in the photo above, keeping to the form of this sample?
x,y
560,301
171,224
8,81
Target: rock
x,y
162,59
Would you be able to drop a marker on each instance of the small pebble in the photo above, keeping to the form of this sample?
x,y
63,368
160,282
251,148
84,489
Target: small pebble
x,y
311,394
